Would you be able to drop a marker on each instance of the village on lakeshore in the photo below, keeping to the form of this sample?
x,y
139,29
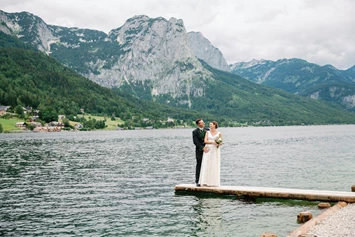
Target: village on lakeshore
x,y
28,119
32,122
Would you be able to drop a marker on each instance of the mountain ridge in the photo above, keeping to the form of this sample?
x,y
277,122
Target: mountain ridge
x,y
301,77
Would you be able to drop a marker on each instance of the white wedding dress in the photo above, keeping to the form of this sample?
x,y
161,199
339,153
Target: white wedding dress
x,y
211,164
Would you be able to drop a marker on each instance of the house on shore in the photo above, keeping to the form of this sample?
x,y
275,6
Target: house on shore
x,y
3,109
61,117
56,124
78,126
21,125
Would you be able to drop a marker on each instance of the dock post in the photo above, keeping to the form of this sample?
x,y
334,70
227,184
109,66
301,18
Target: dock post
x,y
323,205
268,234
303,217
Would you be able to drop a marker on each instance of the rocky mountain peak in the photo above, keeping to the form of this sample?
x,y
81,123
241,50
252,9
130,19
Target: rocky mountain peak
x,y
352,69
138,18
252,63
29,28
155,52
203,49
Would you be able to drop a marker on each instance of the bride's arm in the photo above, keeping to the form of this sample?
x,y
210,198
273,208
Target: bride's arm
x,y
206,138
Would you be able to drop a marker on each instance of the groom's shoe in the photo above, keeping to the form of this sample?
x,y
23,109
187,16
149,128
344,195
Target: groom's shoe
x,y
198,185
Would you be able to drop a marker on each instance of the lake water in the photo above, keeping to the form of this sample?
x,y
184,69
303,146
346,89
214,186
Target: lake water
x,y
121,183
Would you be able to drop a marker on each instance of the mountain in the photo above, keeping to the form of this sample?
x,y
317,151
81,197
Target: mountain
x,y
204,50
30,78
144,55
151,59
301,77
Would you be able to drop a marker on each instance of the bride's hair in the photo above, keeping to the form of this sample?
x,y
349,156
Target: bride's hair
x,y
215,124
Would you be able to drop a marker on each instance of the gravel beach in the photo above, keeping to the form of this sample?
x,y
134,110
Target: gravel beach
x,y
339,224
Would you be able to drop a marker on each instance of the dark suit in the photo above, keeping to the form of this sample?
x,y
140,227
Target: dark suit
x,y
198,137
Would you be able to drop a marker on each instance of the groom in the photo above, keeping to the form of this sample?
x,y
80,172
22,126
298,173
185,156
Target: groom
x,y
198,136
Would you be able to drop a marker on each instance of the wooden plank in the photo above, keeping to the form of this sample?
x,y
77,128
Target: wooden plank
x,y
265,192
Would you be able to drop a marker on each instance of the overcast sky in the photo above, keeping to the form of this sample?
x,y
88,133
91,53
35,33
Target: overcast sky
x,y
319,31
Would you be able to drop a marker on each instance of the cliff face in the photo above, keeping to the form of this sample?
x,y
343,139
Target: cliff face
x,y
204,50
154,52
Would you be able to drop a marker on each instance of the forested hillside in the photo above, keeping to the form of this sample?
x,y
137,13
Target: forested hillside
x,y
33,79
8,41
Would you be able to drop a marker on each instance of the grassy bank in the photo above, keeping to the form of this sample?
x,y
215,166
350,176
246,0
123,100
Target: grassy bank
x,y
9,125
111,124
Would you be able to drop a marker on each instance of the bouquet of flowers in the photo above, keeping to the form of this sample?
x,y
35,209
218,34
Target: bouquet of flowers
x,y
219,141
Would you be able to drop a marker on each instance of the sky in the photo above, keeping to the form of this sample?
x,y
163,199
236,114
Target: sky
x,y
319,31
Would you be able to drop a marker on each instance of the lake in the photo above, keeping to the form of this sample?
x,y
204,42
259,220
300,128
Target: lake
x,y
121,183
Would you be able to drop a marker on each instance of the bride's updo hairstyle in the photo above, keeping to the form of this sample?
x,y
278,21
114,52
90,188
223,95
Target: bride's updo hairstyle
x,y
215,124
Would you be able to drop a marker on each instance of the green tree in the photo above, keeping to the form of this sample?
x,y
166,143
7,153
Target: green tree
x,y
61,111
66,123
100,124
1,129
48,114
19,111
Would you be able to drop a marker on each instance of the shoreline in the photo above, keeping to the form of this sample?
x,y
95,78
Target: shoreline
x,y
142,128
337,220
339,223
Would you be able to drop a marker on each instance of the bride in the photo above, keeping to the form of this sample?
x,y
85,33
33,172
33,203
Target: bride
x,y
211,161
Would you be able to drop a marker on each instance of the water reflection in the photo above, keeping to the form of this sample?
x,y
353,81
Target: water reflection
x,y
209,215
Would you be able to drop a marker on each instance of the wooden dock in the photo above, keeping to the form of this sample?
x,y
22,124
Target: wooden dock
x,y
264,192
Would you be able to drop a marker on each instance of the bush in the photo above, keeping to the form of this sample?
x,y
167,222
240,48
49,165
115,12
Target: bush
x,y
1,129
7,116
31,127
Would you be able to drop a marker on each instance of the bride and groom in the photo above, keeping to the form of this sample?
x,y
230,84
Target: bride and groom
x,y
208,154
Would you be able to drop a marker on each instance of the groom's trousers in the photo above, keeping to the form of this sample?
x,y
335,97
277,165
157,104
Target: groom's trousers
x,y
199,155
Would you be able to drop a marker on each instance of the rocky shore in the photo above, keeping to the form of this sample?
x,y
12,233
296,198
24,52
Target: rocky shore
x,y
339,224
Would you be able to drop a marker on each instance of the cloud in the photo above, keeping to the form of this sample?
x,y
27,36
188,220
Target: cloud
x,y
319,31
